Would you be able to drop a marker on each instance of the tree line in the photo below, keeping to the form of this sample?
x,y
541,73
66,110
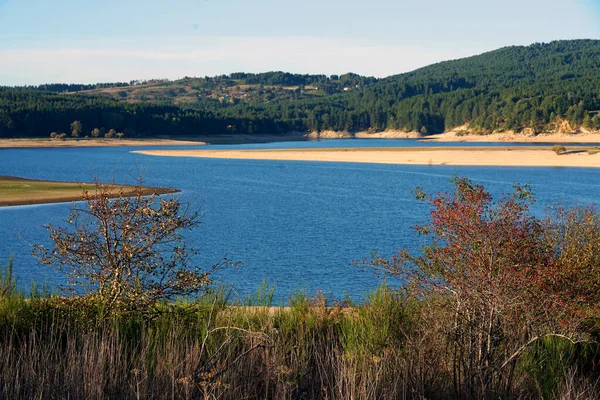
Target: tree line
x,y
537,87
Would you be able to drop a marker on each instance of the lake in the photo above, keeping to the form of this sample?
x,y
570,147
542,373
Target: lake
x,y
297,225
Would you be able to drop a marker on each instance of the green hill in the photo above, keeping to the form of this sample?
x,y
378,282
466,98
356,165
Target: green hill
x,y
534,88
510,88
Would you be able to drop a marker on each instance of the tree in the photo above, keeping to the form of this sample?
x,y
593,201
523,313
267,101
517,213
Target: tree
x,y
559,149
76,128
95,133
498,279
587,121
128,252
596,122
110,134
57,136
574,236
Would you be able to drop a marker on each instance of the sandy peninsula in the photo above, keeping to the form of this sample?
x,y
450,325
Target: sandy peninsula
x,y
48,143
467,156
16,191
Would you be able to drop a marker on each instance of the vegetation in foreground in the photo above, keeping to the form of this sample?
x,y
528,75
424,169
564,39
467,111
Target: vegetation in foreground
x,y
498,304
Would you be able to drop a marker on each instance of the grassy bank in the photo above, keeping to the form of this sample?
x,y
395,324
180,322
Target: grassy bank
x,y
19,191
93,142
56,348
499,304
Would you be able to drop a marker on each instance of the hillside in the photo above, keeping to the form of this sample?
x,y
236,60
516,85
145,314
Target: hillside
x,y
537,88
233,88
511,88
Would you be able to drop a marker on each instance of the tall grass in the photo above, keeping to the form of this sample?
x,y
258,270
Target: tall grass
x,y
57,348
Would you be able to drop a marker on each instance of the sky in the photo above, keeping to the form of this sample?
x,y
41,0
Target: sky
x,y
89,41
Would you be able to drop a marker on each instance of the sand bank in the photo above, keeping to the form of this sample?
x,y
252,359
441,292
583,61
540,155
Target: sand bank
x,y
474,156
517,137
462,134
452,136
48,143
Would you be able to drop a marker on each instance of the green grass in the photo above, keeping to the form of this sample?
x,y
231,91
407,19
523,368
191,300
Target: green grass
x,y
19,191
214,347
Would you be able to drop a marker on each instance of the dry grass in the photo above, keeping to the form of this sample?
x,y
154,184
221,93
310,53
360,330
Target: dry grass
x,y
19,191
93,142
55,348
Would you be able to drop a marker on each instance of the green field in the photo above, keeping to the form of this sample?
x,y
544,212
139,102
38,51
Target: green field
x,y
19,191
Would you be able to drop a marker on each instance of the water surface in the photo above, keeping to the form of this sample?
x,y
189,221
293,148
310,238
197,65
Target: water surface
x,y
297,225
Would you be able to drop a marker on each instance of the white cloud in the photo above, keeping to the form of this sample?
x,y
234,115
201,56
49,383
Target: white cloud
x,y
189,56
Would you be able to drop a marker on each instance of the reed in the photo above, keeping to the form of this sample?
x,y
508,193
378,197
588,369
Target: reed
x,y
214,347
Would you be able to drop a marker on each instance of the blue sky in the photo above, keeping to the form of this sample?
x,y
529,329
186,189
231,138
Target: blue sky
x,y
93,41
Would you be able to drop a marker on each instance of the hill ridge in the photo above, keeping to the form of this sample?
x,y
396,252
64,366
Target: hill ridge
x,y
519,88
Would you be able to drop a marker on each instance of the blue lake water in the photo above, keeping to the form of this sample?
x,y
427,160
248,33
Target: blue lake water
x,y
297,225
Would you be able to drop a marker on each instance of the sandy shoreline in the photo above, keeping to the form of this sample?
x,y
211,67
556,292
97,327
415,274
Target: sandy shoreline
x,y
47,143
452,136
511,137
467,156
462,135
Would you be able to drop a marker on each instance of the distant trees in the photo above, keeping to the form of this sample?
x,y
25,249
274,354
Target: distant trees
x,y
75,87
595,123
76,128
95,132
57,136
492,91
110,134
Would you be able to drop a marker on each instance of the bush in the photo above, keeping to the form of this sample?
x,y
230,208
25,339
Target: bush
x,y
500,279
126,252
559,149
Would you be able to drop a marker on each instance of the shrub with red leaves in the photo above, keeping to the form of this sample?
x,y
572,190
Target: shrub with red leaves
x,y
499,277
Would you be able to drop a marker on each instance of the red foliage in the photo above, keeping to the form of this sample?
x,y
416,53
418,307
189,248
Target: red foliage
x,y
498,275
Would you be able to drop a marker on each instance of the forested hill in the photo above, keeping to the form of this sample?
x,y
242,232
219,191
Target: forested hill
x,y
511,88
531,88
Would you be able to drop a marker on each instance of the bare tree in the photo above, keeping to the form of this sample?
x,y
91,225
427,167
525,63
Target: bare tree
x,y
126,251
